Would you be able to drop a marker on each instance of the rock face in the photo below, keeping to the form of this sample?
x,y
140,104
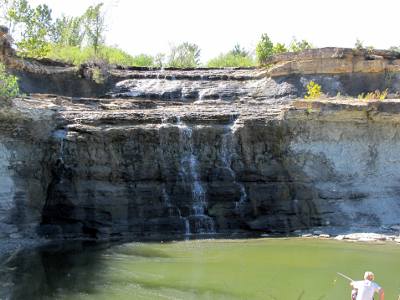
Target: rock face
x,y
199,151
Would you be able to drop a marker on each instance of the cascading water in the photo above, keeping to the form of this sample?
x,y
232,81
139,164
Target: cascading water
x,y
197,221
171,209
227,151
61,135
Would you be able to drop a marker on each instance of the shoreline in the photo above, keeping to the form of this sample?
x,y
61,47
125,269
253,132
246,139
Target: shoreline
x,y
10,247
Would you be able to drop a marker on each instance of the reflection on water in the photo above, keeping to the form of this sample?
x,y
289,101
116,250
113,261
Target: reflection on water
x,y
203,269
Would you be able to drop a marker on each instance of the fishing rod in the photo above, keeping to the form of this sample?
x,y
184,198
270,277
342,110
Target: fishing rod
x,y
344,276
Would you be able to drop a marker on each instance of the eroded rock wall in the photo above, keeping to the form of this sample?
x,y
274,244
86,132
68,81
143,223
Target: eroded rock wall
x,y
349,152
25,160
201,151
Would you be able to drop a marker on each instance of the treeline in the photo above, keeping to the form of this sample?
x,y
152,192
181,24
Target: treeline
x,y
82,39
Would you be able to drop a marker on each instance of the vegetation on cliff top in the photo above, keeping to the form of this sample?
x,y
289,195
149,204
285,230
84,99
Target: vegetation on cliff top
x,y
266,48
80,39
237,57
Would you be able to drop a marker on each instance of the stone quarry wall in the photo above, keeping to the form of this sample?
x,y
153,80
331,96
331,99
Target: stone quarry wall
x,y
201,151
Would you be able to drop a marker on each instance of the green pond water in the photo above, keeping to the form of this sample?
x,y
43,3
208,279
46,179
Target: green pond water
x,y
206,269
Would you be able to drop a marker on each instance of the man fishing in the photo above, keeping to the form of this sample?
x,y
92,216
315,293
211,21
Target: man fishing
x,y
367,288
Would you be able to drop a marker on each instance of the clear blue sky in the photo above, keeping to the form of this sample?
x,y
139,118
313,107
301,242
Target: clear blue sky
x,y
151,26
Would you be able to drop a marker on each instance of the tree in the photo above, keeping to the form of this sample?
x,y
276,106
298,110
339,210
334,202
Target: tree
x,y
5,6
264,48
159,60
358,44
94,26
279,48
68,31
185,55
36,25
239,51
297,46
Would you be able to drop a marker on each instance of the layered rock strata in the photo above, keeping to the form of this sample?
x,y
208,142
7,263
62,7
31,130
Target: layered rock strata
x,y
199,151
100,168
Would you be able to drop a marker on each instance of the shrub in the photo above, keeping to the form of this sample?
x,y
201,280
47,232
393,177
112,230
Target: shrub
x,y
314,90
377,95
8,84
230,60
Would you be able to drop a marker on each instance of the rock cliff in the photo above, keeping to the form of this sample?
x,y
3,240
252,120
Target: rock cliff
x,y
200,150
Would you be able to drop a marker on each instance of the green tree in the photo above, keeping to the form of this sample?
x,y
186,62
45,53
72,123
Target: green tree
x,y
36,25
8,84
185,55
358,44
94,26
297,46
239,51
159,60
279,48
143,60
68,31
264,48
5,6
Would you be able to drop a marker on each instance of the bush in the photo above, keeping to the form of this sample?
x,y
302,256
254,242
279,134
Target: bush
x,y
377,95
314,90
230,60
8,84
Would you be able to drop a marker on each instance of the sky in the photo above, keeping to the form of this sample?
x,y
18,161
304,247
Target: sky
x,y
152,26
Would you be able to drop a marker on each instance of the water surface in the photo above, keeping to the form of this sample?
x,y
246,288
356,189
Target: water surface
x,y
203,269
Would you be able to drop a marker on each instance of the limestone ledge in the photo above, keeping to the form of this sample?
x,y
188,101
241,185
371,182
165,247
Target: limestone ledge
x,y
334,61
346,110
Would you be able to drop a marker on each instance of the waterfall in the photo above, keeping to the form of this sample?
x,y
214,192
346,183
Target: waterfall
x,y
60,135
171,209
198,221
227,151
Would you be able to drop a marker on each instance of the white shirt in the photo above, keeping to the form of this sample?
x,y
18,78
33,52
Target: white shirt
x,y
366,289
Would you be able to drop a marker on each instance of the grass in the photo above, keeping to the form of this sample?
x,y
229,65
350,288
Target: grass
x,y
111,55
230,60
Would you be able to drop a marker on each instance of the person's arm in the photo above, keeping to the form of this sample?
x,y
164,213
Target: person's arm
x,y
381,294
